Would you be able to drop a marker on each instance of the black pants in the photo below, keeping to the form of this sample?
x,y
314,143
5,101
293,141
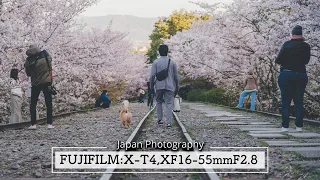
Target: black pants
x,y
35,92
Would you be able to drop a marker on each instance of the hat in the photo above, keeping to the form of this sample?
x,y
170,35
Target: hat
x,y
297,30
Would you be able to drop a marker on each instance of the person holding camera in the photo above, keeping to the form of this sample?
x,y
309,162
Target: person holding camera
x,y
38,66
164,78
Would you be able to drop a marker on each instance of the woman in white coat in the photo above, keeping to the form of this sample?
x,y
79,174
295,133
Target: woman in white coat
x,y
16,96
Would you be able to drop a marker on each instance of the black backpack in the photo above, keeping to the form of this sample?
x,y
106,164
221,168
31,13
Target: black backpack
x,y
162,75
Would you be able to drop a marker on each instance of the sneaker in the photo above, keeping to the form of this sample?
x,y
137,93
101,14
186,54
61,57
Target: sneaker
x,y
160,122
50,126
33,127
298,129
168,125
284,129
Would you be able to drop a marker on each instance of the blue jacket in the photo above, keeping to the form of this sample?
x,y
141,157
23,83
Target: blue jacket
x,y
104,98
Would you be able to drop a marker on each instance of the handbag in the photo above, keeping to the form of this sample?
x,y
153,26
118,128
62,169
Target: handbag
x,y
162,75
52,89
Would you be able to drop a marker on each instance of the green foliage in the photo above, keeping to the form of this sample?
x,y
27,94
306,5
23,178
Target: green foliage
x,y
114,90
216,95
199,83
167,27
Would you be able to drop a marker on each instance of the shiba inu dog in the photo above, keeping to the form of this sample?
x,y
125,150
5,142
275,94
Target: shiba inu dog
x,y
125,114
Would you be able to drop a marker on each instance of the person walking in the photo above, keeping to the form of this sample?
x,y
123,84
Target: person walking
x,y
17,94
251,85
164,79
38,66
293,57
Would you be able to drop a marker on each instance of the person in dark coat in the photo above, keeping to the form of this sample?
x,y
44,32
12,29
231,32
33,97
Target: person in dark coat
x,y
38,66
103,101
293,58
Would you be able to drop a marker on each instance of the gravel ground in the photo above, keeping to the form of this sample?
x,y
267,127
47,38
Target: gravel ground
x,y
27,154
202,128
158,133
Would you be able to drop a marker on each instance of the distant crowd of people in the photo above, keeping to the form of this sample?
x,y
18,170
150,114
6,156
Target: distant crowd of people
x,y
163,84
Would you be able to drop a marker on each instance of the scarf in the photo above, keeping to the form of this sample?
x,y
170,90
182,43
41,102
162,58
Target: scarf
x,y
297,37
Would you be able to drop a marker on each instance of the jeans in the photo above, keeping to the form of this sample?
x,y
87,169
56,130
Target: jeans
x,y
168,100
35,92
292,86
244,94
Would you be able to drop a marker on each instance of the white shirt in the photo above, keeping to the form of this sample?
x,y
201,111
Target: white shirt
x,y
15,87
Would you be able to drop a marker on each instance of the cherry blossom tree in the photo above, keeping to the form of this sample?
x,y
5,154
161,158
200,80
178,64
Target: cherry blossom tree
x,y
248,34
83,62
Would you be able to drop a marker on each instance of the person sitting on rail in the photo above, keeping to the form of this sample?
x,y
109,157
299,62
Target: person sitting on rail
x,y
251,85
293,57
141,95
103,100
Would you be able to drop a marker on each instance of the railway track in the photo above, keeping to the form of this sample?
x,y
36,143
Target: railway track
x,y
147,129
42,120
297,152
307,121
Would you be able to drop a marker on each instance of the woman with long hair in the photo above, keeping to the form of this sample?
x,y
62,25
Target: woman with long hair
x,y
16,95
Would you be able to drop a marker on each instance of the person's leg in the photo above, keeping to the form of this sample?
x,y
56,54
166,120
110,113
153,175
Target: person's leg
x,y
241,98
253,95
301,83
286,86
168,99
12,103
159,95
48,100
35,92
19,105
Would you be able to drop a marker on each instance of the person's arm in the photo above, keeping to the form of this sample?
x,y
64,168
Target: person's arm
x,y
152,77
107,99
48,56
281,55
26,66
308,54
245,81
256,81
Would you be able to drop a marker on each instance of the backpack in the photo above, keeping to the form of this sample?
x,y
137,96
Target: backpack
x,y
162,75
32,61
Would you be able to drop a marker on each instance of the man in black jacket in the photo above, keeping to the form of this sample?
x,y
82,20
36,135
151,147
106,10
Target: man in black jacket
x,y
38,66
293,58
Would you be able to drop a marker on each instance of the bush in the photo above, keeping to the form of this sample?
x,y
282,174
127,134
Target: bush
x,y
216,95
199,83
